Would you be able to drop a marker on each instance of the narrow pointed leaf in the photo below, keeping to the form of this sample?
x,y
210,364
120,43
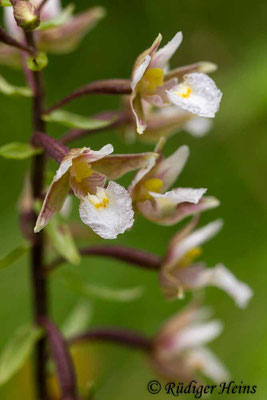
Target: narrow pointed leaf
x,y
77,321
18,151
60,19
11,90
14,255
17,350
72,120
62,240
78,285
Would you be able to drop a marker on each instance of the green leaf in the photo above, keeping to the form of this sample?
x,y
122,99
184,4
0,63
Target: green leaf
x,y
38,62
80,286
5,3
72,120
14,255
17,350
62,240
18,151
10,90
60,19
77,321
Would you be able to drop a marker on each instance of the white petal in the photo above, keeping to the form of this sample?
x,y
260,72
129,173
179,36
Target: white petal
x,y
204,99
163,55
169,169
92,155
198,126
197,334
63,168
204,360
116,218
222,278
141,174
139,72
181,195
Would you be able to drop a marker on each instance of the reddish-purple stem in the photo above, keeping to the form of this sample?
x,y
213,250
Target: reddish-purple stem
x,y
62,359
120,336
108,86
130,255
9,40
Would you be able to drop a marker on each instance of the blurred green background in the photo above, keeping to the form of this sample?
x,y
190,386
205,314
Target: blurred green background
x,y
230,161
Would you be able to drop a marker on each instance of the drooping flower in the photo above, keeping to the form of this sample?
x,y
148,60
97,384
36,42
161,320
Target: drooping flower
x,y
62,38
108,211
181,272
152,82
149,190
180,351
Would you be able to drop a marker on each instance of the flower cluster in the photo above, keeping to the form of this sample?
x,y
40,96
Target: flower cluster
x,y
158,102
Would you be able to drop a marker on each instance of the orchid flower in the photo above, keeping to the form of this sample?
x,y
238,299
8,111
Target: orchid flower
x,y
58,39
107,210
180,350
180,272
149,190
152,82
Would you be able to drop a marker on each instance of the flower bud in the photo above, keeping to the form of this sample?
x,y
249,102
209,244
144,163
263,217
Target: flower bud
x,y
26,15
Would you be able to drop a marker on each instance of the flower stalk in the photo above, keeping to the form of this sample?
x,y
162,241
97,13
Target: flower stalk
x,y
130,255
108,86
39,279
122,337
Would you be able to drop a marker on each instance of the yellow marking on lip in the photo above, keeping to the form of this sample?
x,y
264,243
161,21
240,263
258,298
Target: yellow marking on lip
x,y
185,92
100,199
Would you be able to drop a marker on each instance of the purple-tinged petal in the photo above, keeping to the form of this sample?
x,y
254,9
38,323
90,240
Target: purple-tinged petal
x,y
146,55
167,215
115,166
205,67
138,112
162,56
53,201
65,38
141,174
181,244
139,72
169,169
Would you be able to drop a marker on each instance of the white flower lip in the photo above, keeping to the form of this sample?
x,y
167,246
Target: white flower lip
x,y
114,217
197,94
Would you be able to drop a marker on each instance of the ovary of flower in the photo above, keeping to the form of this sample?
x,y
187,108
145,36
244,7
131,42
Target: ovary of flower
x,y
184,91
100,199
80,170
190,256
152,79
